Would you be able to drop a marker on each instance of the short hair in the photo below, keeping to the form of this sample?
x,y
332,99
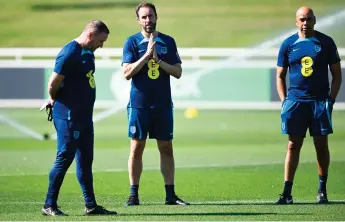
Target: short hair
x,y
145,4
97,26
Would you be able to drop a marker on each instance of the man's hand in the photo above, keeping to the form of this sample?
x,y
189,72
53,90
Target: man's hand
x,y
47,104
155,56
131,69
150,47
51,102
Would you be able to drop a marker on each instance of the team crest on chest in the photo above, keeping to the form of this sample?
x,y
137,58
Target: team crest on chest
x,y
317,48
164,50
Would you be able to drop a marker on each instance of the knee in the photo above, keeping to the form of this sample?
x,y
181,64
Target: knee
x,y
63,160
321,143
84,162
137,149
294,146
322,148
165,148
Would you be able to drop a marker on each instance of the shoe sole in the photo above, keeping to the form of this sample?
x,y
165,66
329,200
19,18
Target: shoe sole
x,y
177,204
322,202
131,205
286,203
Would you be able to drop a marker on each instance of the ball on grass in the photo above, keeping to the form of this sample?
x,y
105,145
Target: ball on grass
x,y
191,113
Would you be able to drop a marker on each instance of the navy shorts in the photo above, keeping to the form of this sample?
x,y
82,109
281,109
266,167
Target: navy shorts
x,y
297,117
155,122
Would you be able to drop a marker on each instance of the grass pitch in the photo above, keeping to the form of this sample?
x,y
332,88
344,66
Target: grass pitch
x,y
229,166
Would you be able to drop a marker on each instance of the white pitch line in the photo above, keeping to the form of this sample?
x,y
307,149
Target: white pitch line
x,y
101,116
20,127
157,168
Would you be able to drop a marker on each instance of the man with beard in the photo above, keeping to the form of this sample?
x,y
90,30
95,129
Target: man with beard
x,y
308,55
149,59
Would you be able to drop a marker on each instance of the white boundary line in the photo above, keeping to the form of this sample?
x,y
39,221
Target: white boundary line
x,y
101,116
20,127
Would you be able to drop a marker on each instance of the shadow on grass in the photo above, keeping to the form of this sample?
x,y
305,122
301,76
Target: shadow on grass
x,y
201,214
268,203
83,6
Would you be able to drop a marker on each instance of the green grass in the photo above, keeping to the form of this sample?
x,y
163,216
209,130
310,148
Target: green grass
x,y
229,165
193,23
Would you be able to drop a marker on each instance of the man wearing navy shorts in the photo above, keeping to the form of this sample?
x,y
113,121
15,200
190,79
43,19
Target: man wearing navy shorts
x,y
308,55
149,59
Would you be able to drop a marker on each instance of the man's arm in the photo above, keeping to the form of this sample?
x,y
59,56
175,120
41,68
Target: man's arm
x,y
336,80
173,70
281,82
131,69
54,84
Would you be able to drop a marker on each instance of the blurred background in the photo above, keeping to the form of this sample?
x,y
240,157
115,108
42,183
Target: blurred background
x,y
227,112
228,49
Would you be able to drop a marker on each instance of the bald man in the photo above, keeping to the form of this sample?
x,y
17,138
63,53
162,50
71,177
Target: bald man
x,y
308,102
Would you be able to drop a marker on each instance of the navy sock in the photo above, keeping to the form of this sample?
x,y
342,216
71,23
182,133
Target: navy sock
x,y
322,183
170,191
134,190
287,188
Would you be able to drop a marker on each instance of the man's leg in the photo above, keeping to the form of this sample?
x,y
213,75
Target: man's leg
x,y
138,121
135,165
162,130
295,122
167,165
66,148
323,160
291,162
167,162
84,159
321,127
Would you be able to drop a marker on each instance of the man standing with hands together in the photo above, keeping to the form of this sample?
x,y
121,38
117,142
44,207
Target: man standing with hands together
x,y
149,59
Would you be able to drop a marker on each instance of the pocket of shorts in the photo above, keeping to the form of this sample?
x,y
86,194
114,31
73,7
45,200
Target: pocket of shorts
x,y
288,105
329,106
283,102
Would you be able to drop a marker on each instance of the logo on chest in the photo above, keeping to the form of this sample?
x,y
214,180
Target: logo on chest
x,y
153,72
317,48
91,78
164,50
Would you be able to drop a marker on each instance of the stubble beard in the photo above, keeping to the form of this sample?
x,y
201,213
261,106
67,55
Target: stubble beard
x,y
152,29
